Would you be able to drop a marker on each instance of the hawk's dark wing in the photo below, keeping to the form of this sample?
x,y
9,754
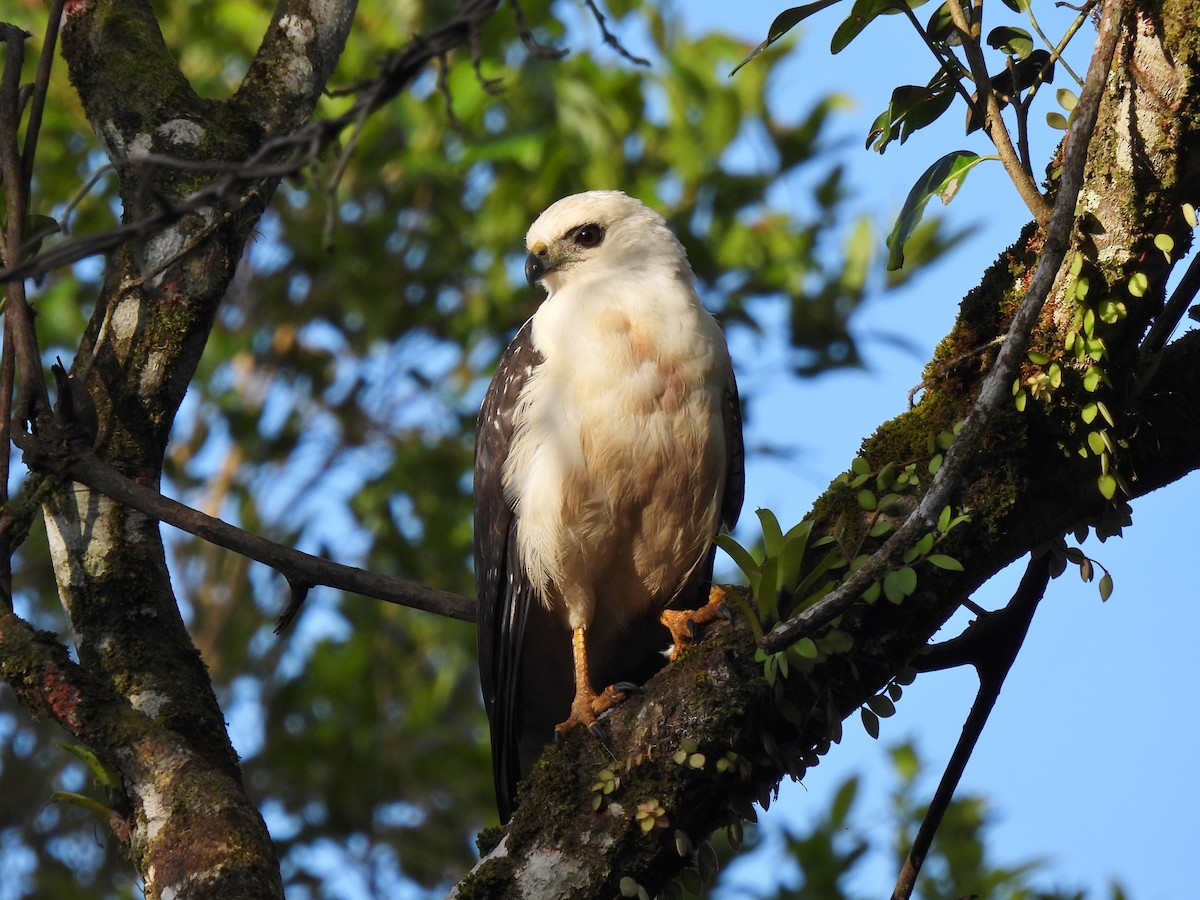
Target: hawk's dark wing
x,y
735,465
504,594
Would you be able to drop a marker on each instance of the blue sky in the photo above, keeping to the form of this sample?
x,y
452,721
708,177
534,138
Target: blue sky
x,y
1088,760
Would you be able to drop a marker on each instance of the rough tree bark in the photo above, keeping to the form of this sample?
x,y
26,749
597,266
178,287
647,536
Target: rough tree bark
x,y
139,694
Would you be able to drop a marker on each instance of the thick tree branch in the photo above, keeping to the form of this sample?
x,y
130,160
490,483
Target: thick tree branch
x,y
299,51
995,388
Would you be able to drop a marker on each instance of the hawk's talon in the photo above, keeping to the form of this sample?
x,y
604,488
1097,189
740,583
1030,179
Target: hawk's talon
x,y
588,706
684,623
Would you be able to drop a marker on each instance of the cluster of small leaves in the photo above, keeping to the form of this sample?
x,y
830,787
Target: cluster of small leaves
x,y
882,492
650,815
804,655
607,781
791,573
1062,555
1024,70
689,755
883,704
1084,354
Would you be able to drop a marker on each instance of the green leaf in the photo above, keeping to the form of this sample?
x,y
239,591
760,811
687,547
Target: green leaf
x,y
870,722
1057,121
912,107
866,499
765,589
899,583
1106,587
785,22
880,528
1108,485
772,533
942,561
940,26
943,180
1189,215
791,557
104,774
1138,284
862,14
886,477
92,806
1014,41
1165,243
740,555
882,706
807,648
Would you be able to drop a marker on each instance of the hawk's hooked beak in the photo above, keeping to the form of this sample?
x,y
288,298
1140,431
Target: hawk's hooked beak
x,y
535,268
537,263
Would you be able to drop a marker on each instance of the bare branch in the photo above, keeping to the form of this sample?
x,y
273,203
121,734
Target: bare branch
x,y
993,644
77,463
19,332
1173,311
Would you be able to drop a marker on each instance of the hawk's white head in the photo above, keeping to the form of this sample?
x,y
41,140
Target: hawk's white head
x,y
602,234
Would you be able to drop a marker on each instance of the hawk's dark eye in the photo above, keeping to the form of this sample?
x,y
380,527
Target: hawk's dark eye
x,y
589,236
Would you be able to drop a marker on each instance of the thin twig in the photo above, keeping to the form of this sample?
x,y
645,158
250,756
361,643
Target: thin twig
x,y
7,374
611,39
535,47
41,85
996,388
1056,49
993,121
950,63
31,397
991,645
